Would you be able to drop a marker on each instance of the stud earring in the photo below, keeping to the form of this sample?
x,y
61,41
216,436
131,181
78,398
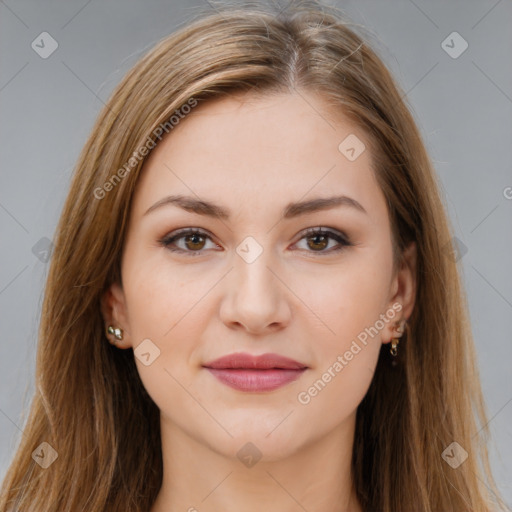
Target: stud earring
x,y
118,333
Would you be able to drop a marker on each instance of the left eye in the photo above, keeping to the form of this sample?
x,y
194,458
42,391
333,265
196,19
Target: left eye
x,y
320,237
194,239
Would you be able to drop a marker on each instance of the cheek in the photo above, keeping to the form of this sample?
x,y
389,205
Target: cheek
x,y
159,311
350,300
350,304
157,297
333,394
165,308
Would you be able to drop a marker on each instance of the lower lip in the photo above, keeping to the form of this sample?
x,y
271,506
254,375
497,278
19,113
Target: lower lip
x,y
256,380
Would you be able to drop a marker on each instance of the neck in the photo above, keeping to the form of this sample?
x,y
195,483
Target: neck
x,y
199,478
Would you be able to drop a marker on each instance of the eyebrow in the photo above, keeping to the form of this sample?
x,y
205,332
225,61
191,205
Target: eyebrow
x,y
291,210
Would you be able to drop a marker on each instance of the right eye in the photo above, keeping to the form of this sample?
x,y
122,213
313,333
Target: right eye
x,y
194,241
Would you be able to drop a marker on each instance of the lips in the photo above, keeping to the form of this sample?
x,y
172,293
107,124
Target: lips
x,y
246,372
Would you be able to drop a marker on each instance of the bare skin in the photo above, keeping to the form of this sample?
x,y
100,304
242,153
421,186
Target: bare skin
x,y
298,298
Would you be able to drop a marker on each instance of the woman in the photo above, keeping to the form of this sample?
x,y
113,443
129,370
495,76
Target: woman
x,y
256,217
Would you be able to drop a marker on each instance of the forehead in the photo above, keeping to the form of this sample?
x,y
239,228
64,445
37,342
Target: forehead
x,y
253,150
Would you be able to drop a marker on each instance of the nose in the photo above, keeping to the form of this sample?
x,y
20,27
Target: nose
x,y
256,297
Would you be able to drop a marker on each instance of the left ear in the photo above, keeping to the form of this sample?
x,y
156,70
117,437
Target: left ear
x,y
403,291
114,312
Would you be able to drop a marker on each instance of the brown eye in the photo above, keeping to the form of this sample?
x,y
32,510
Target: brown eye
x,y
318,240
193,244
194,241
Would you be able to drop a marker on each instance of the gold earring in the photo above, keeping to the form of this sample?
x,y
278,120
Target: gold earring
x,y
394,341
118,333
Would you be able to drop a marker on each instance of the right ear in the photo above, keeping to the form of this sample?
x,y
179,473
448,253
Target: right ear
x,y
114,312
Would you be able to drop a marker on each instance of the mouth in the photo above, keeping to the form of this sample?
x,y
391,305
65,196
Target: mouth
x,y
245,372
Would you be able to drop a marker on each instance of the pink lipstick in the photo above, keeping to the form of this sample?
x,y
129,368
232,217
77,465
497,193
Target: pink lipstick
x,y
245,372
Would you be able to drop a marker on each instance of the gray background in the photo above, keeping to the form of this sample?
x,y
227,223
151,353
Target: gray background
x,y
463,107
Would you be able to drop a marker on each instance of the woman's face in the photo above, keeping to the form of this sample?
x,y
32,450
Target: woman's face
x,y
252,280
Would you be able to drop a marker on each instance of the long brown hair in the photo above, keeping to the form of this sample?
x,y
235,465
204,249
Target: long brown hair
x,y
90,405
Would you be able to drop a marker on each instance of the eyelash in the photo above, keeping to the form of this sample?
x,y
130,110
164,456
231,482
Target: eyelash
x,y
167,240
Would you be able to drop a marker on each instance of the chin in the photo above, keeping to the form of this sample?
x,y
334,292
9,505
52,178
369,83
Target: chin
x,y
254,441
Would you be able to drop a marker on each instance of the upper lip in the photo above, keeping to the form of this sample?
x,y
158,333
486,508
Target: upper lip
x,y
261,362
